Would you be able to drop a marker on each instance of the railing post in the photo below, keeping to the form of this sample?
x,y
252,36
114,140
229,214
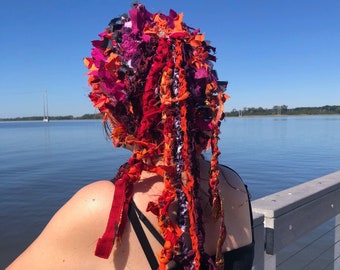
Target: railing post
x,y
258,227
269,262
337,243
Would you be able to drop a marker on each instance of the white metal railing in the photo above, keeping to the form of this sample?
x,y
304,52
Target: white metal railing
x,y
284,217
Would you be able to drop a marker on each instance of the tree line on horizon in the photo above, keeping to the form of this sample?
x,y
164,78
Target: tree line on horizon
x,y
66,117
251,111
284,110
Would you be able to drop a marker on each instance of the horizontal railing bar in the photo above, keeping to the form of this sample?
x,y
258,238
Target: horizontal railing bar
x,y
284,201
293,212
287,228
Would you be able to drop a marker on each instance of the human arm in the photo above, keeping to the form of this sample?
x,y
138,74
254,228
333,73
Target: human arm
x,y
68,241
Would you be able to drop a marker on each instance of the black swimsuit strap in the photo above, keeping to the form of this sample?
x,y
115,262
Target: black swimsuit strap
x,y
133,211
148,224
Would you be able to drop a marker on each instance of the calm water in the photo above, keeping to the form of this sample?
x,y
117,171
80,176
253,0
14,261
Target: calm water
x,y
43,164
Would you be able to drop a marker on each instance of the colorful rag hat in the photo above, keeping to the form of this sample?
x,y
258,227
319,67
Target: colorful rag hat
x,y
152,78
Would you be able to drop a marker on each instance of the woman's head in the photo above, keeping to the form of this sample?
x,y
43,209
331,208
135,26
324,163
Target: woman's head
x,y
143,67
152,77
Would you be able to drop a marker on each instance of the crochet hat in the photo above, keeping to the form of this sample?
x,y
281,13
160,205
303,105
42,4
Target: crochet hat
x,y
152,78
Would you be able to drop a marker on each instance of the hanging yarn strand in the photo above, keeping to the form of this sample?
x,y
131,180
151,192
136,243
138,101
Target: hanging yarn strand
x,y
183,174
188,183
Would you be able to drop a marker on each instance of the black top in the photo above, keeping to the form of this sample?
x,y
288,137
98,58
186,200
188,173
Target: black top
x,y
237,259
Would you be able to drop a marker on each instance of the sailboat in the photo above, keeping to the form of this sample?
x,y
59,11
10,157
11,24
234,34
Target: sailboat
x,y
45,119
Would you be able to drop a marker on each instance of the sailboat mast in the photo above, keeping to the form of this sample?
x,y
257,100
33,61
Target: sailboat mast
x,y
45,107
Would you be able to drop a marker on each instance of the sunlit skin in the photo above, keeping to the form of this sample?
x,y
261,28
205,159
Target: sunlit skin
x,y
69,239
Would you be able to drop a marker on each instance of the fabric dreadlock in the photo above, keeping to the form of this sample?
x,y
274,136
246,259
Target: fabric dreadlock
x,y
152,78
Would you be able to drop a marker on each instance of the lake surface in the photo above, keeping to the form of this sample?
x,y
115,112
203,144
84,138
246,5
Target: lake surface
x,y
43,164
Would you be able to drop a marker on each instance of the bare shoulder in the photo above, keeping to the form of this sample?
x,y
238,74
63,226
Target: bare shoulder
x,y
232,178
236,203
90,204
70,236
229,178
236,208
93,196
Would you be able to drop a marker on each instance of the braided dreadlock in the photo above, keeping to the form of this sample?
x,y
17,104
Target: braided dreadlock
x,y
152,78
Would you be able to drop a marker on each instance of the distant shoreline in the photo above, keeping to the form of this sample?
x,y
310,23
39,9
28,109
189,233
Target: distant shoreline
x,y
281,115
282,110
23,119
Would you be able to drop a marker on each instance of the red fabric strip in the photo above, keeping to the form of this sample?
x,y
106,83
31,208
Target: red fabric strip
x,y
106,242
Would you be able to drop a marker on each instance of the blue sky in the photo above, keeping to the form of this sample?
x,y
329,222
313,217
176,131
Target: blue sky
x,y
272,52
